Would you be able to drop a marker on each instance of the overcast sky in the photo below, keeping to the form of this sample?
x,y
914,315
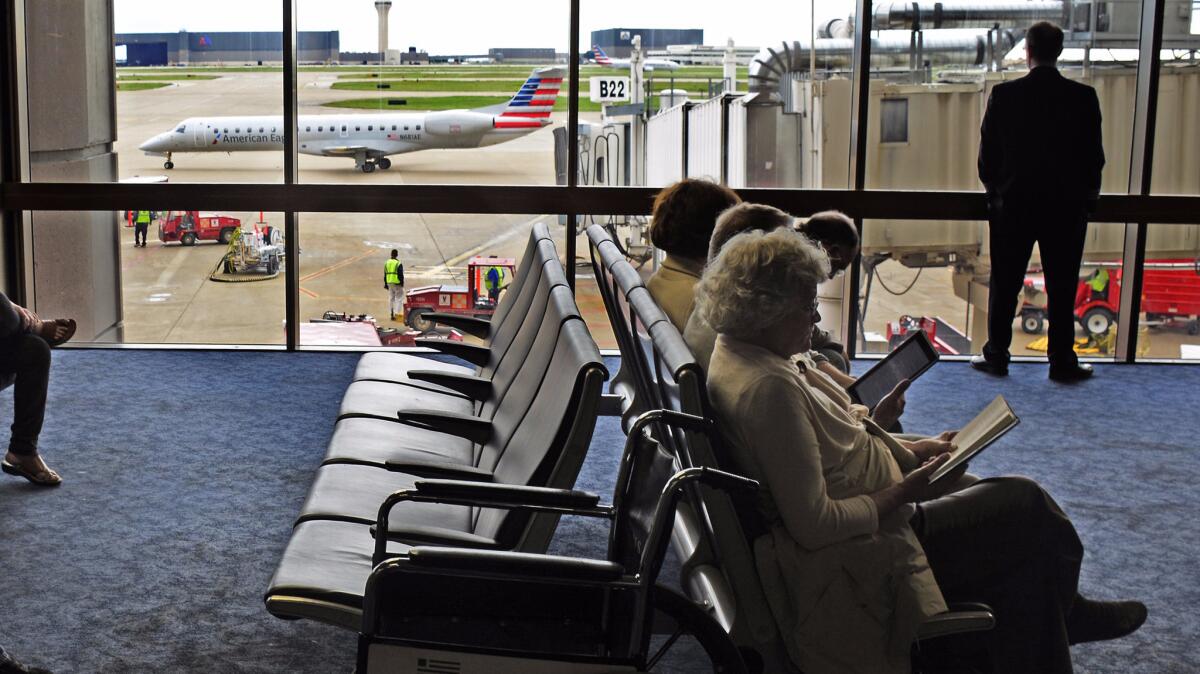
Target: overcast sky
x,y
474,26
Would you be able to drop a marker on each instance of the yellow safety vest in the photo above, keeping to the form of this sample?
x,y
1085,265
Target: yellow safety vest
x,y
143,217
392,271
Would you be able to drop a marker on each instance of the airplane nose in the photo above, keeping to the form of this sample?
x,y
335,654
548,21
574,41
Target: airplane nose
x,y
156,144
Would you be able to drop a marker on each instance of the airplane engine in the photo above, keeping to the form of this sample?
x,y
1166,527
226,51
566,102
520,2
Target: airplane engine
x,y
457,122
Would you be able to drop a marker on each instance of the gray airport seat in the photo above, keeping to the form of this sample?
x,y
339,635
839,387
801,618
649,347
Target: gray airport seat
x,y
551,301
392,366
324,568
519,445
511,392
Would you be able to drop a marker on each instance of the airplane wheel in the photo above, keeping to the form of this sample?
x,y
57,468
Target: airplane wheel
x,y
169,165
368,167
384,163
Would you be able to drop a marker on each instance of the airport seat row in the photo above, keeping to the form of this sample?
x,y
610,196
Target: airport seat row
x,y
713,530
523,417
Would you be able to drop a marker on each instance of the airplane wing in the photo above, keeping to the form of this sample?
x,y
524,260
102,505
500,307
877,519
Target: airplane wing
x,y
347,150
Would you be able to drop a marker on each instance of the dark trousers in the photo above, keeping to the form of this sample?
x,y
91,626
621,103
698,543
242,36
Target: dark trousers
x,y
139,232
28,357
1060,240
1005,542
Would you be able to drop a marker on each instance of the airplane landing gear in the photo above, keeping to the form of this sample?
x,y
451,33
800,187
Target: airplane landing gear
x,y
367,167
168,164
384,163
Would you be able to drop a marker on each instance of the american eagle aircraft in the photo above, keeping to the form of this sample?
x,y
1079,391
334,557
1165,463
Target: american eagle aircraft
x,y
370,138
647,64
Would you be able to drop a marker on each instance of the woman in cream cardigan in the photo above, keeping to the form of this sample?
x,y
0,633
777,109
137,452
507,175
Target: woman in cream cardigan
x,y
861,547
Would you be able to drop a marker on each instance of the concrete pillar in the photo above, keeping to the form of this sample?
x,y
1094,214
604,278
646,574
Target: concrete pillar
x,y
383,7
72,126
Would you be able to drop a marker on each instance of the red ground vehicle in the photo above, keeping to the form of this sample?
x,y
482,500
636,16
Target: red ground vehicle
x,y
945,337
187,227
487,276
1170,294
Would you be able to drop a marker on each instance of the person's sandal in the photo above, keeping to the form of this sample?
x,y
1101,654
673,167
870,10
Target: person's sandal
x,y
42,478
58,331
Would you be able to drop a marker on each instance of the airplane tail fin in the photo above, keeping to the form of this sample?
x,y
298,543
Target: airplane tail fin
x,y
536,97
600,56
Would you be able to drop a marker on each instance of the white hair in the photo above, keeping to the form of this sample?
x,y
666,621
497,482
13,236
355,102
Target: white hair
x,y
757,279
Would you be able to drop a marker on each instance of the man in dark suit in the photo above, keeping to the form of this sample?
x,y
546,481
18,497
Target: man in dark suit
x,y
1040,157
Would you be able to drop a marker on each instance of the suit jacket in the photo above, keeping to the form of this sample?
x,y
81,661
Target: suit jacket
x,y
1040,144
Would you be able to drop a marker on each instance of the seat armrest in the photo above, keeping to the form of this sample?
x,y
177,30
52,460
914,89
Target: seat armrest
x,y
464,426
955,622
506,495
440,470
476,355
474,387
516,564
476,327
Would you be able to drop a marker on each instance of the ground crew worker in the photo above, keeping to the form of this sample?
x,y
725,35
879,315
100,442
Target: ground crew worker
x,y
1099,284
491,281
393,282
141,224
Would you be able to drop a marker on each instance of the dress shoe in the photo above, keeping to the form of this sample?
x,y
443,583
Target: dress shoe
x,y
10,666
1102,620
982,364
1069,375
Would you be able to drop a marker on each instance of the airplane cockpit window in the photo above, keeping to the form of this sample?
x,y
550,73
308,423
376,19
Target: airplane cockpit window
x,y
182,128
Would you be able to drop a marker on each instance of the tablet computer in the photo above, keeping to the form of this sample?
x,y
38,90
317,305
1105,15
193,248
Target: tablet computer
x,y
907,361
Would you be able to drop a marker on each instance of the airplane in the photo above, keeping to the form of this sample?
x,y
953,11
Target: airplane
x,y
370,138
647,64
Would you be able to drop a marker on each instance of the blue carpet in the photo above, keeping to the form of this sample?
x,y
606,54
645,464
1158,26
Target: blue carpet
x,y
185,470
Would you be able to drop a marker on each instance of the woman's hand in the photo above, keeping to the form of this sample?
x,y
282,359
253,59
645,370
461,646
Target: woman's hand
x,y
912,489
916,486
929,448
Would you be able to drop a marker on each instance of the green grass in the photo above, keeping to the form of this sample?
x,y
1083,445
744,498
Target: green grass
x,y
446,103
141,86
185,76
431,85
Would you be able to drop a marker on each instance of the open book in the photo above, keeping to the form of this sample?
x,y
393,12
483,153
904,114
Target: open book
x,y
995,420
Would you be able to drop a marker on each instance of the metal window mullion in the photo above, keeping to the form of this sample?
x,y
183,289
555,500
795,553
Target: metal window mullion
x,y
860,96
19,236
572,138
1141,160
291,250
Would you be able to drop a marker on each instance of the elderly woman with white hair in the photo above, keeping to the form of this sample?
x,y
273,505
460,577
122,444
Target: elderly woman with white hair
x,y
861,548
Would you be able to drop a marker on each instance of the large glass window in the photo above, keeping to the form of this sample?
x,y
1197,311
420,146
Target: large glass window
x,y
1169,323
417,95
455,263
910,283
198,90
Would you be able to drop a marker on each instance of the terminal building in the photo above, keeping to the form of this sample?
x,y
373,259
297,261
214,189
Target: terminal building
x,y
617,42
214,48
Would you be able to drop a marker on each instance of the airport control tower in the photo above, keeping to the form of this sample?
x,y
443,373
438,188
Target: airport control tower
x,y
383,7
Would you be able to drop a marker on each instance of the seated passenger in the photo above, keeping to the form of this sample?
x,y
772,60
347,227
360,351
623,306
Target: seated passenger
x,y
25,342
833,232
683,219
836,234
861,548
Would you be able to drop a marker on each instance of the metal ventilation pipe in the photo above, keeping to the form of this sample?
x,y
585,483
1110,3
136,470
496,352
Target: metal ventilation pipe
x,y
968,14
890,49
